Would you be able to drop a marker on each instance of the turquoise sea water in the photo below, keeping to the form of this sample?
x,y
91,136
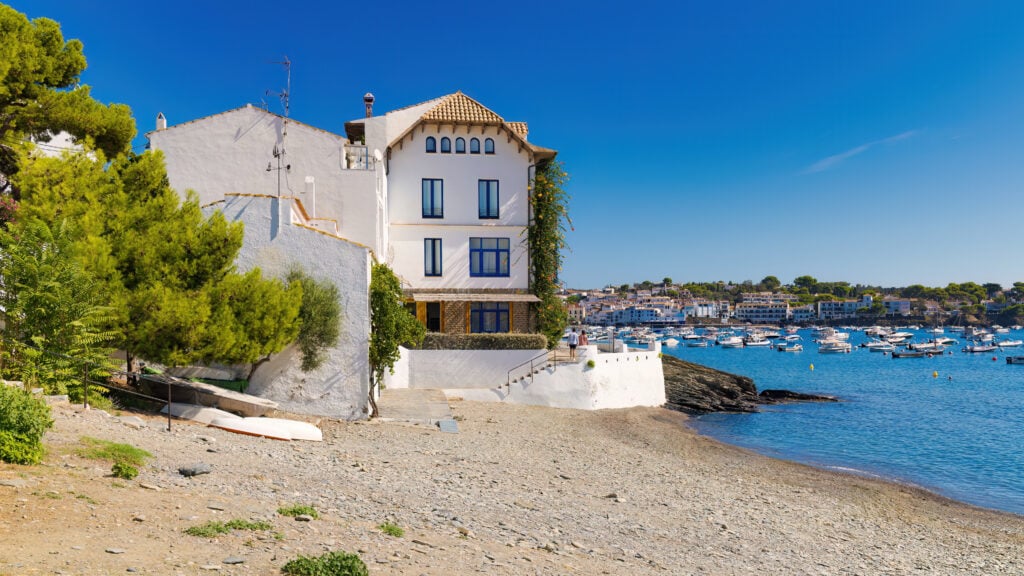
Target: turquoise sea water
x,y
960,434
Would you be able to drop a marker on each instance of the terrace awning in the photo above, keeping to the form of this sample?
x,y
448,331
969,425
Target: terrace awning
x,y
471,297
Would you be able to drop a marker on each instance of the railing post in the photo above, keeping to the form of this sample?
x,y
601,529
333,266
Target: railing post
x,y
85,385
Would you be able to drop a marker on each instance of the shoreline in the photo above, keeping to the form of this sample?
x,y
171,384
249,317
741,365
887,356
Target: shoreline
x,y
520,489
844,471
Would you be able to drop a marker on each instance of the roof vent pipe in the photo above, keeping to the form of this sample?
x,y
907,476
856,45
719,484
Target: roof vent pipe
x,y
161,121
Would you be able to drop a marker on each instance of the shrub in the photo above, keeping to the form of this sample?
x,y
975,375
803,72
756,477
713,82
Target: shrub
x,y
330,564
513,341
124,471
391,529
298,510
23,421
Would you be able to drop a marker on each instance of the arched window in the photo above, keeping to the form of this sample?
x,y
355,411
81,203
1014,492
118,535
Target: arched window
x,y
446,145
431,145
460,145
488,146
474,146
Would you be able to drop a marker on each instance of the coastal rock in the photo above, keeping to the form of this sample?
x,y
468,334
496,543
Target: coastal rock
x,y
777,396
695,389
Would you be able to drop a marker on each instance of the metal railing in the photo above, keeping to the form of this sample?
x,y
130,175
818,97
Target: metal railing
x,y
358,158
87,366
533,363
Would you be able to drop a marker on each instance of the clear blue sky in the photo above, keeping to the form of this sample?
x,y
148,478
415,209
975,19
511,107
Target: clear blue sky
x,y
873,142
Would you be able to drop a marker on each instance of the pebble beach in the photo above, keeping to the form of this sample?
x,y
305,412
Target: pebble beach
x,y
518,490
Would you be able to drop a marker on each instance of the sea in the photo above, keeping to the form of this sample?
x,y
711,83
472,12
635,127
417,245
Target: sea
x,y
952,424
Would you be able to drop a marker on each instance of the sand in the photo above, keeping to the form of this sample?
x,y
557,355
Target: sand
x,y
519,490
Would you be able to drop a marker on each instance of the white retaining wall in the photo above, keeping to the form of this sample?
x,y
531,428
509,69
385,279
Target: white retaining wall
x,y
620,380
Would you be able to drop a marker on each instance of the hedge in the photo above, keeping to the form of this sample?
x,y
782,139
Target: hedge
x,y
513,341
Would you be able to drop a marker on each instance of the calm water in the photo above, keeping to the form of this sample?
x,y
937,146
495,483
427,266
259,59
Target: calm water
x,y
961,437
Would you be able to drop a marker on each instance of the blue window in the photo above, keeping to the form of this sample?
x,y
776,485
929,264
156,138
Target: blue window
x,y
433,198
431,256
460,145
488,257
474,146
431,145
488,146
487,190
446,145
488,317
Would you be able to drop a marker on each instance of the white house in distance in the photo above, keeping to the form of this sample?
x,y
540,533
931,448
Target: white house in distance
x,y
438,190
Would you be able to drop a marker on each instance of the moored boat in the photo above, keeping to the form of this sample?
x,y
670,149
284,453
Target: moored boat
x,y
1015,359
834,347
791,348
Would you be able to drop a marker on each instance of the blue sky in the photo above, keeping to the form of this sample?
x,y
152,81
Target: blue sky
x,y
878,143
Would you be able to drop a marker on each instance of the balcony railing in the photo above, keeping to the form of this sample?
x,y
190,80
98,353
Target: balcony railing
x,y
358,158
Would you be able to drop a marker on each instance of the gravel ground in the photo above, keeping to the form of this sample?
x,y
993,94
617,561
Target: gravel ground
x,y
519,490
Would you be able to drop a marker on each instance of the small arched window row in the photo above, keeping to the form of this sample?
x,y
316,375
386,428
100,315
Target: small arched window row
x,y
460,145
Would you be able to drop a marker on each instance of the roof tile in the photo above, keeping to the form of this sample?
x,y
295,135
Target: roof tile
x,y
461,108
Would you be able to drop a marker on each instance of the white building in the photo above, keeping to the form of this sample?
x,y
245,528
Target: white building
x,y
839,309
762,312
438,190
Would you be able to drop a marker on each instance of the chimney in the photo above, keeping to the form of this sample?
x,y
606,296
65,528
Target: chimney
x,y
368,100
161,121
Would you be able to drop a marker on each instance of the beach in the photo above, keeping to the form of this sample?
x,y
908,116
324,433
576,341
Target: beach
x,y
518,490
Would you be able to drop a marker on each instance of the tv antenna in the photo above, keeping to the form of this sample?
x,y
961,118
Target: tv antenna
x,y
285,98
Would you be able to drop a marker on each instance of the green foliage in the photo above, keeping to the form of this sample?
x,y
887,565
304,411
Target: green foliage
x,y
319,318
165,270
509,341
124,471
19,449
40,92
97,449
330,564
23,421
549,206
51,302
298,510
590,364
391,324
391,529
213,529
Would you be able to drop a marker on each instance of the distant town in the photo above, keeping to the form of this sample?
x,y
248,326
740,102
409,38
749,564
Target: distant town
x,y
805,301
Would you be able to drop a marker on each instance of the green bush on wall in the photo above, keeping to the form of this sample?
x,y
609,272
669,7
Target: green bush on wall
x,y
513,341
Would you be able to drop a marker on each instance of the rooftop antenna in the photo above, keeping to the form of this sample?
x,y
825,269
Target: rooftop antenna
x,y
285,98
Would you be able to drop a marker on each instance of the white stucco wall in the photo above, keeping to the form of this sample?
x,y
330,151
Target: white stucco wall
x,y
229,153
339,388
620,380
410,164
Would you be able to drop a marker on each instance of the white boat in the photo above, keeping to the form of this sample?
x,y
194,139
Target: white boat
x,y
792,337
757,341
1009,343
937,330
834,347
975,348
945,341
670,342
275,428
933,347
791,348
731,342
700,343
879,346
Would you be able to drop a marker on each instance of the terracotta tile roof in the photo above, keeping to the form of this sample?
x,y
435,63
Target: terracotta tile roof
x,y
461,108
519,128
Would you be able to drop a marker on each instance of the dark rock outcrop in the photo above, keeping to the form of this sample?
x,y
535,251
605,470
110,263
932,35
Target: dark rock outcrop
x,y
696,389
778,396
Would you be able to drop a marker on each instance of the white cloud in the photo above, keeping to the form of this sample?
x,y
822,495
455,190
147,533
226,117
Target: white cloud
x,y
836,159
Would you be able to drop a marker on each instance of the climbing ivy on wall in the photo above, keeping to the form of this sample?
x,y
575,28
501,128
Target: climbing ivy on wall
x,y
549,207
